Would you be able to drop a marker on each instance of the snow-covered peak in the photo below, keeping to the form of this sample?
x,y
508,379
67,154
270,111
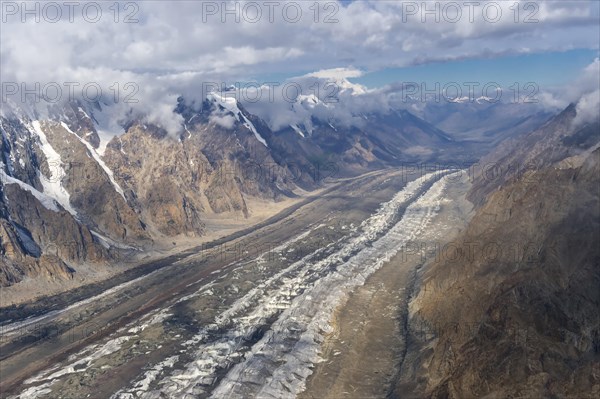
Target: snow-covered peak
x,y
346,85
309,101
459,100
230,104
466,99
339,77
484,99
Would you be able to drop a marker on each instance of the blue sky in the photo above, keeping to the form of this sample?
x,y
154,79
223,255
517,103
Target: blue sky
x,y
546,69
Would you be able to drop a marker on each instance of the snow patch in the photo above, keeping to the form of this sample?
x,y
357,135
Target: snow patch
x,y
47,201
53,184
297,130
99,160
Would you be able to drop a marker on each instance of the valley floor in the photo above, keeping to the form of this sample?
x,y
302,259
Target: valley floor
x,y
217,227
247,316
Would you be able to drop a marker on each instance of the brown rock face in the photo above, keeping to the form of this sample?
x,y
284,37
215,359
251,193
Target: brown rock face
x,y
74,115
11,255
36,241
160,178
50,229
207,170
91,191
515,314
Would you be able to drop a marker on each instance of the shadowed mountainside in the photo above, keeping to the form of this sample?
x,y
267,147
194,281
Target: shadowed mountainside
x,y
514,311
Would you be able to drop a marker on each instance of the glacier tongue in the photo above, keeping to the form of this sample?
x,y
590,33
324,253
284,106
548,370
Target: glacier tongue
x,y
287,352
47,201
301,299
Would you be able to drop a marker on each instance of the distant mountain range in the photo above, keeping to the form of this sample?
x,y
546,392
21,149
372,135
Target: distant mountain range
x,y
72,194
483,121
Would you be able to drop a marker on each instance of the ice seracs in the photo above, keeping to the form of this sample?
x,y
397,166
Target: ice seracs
x,y
302,296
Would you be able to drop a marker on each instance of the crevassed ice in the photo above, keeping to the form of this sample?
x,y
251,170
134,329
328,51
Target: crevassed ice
x,y
89,355
288,379
307,292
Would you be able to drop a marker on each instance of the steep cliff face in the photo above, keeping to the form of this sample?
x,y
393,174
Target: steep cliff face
x,y
79,121
514,311
42,233
554,141
208,169
93,191
67,191
38,239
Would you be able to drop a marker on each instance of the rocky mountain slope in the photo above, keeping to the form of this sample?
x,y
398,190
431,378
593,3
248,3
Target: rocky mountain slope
x,y
384,139
70,195
512,309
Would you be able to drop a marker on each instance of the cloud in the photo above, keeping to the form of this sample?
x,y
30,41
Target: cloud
x,y
336,73
588,108
375,33
583,90
329,97
173,50
226,121
326,96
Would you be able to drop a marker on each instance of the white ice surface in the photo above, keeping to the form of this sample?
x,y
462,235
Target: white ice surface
x,y
297,130
52,184
303,296
47,201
